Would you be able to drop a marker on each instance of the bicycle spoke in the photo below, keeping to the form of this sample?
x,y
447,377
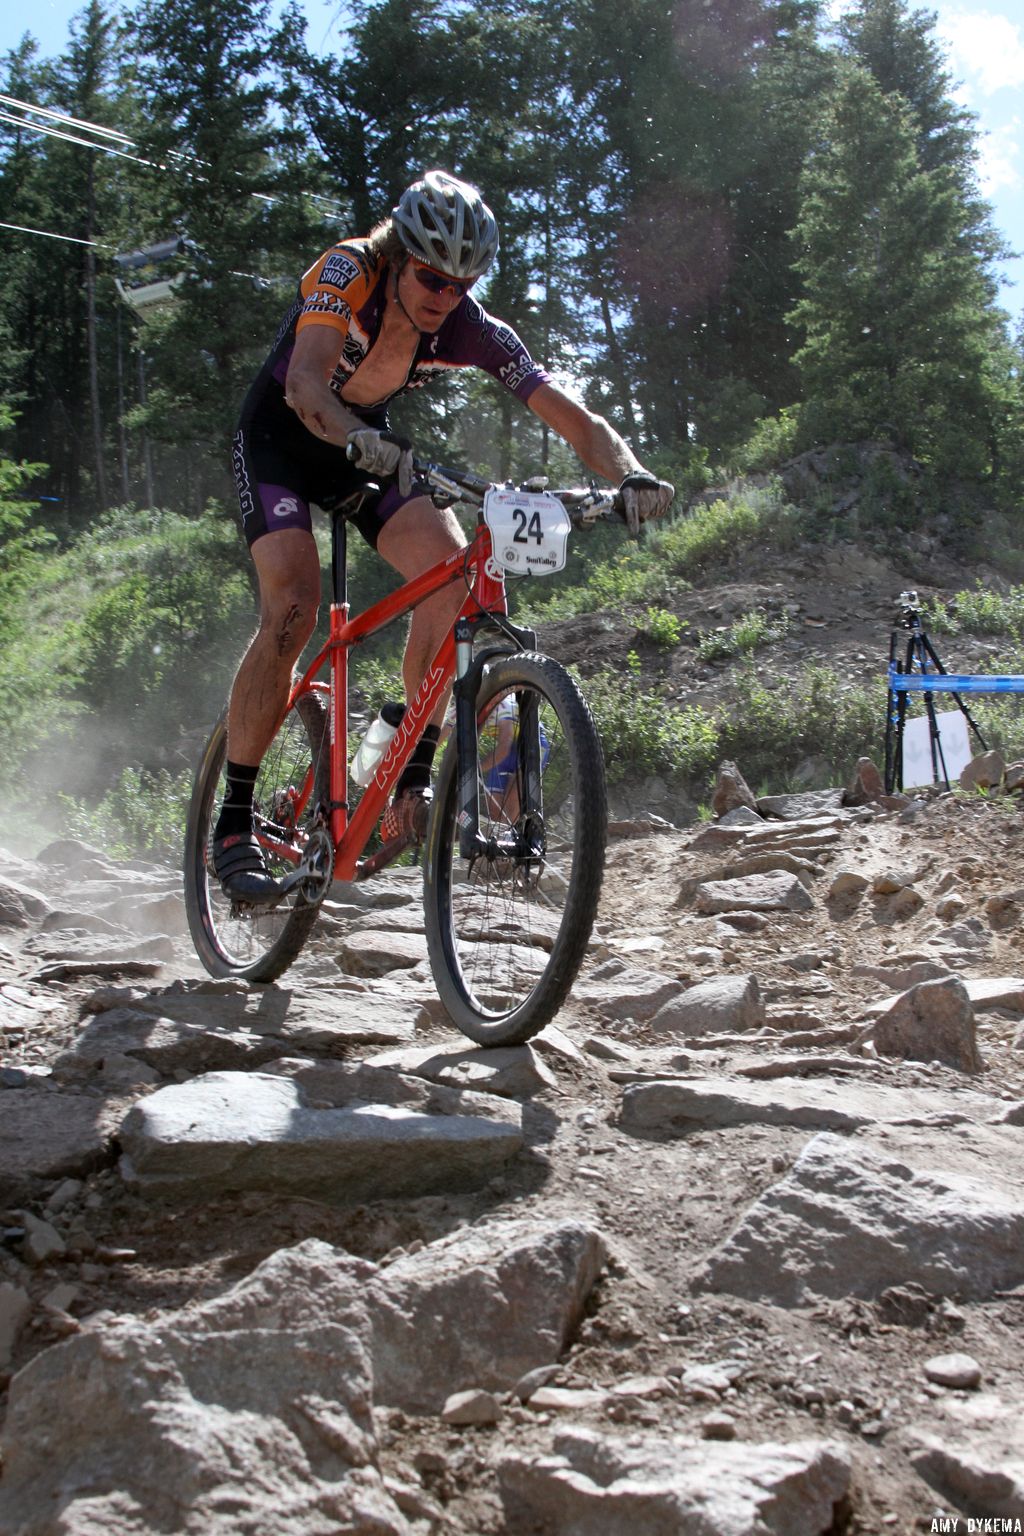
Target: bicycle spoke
x,y
508,927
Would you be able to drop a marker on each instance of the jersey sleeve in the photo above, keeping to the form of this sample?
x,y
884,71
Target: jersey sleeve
x,y
335,287
494,346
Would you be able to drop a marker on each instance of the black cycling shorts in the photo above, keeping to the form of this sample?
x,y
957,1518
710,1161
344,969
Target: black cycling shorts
x,y
281,469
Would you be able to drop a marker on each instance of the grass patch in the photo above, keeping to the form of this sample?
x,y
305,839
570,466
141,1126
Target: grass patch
x,y
750,631
977,612
770,731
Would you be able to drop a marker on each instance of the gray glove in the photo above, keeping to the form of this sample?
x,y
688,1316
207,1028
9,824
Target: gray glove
x,y
382,453
644,496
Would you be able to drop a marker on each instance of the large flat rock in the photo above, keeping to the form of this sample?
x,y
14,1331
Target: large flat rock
x,y
210,1026
342,1136
600,1485
676,1107
514,1072
754,893
944,1210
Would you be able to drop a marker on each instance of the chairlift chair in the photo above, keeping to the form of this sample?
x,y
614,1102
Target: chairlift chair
x,y
146,279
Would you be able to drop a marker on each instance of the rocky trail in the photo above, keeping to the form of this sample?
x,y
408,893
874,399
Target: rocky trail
x,y
736,1248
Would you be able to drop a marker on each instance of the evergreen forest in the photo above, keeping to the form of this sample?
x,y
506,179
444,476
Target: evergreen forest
x,y
737,230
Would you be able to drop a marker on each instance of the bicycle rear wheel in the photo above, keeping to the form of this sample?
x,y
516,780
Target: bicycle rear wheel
x,y
507,930
231,938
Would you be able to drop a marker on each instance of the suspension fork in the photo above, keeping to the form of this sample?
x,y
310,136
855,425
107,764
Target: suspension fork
x,y
469,670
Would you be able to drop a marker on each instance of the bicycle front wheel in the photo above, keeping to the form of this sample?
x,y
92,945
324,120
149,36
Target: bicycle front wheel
x,y
233,938
508,928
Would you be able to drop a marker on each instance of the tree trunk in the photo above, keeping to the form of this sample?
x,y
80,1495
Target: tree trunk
x,y
90,329
620,382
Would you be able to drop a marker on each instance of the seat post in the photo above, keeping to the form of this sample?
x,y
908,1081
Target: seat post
x,y
339,559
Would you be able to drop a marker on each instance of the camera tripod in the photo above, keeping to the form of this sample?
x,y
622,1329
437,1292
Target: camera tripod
x,y
920,664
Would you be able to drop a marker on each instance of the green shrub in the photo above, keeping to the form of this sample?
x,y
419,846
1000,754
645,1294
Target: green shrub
x,y
769,731
142,813
663,627
751,629
978,612
641,734
771,443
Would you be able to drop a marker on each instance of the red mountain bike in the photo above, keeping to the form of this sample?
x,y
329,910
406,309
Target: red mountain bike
x,y
514,852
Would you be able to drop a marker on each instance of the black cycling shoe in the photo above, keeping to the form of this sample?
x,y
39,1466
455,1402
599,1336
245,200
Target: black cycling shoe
x,y
240,867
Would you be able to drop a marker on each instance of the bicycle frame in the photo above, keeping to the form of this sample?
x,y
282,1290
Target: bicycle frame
x,y
486,592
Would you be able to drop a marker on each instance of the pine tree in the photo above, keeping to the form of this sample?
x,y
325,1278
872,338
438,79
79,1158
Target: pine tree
x,y
900,333
203,71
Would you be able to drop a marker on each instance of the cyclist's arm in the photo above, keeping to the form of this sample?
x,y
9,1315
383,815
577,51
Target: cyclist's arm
x,y
307,387
598,445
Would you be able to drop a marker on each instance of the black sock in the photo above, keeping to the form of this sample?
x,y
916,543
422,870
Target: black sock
x,y
416,773
236,811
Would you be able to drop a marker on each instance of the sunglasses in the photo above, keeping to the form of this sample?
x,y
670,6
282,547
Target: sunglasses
x,y
440,282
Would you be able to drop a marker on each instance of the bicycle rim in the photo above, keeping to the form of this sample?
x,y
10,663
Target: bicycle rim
x,y
232,939
508,929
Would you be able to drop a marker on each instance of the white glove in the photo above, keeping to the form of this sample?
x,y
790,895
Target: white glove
x,y
382,453
644,496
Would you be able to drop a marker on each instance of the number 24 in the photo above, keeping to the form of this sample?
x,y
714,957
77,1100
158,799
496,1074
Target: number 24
x,y
528,526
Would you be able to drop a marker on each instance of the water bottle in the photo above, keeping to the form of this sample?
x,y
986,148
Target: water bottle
x,y
375,743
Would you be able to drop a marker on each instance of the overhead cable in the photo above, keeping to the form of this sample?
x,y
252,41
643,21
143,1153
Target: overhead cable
x,y
22,229
64,117
122,138
71,138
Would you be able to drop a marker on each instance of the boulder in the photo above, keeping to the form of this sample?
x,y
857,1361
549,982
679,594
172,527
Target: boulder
x,y
718,1006
249,1412
851,1218
45,1134
20,905
984,771
480,1309
731,791
933,1021
598,1485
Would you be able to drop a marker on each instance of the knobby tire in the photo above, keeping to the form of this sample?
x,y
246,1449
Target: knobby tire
x,y
258,944
506,935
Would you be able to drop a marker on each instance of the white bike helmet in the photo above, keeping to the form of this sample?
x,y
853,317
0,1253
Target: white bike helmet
x,y
447,224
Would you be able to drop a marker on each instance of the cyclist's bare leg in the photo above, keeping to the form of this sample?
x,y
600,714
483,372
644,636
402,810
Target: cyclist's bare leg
x,y
288,568
415,538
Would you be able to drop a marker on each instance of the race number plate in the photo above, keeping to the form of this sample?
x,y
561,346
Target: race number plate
x,y
529,531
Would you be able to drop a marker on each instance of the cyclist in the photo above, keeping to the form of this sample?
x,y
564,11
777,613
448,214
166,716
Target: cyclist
x,y
372,318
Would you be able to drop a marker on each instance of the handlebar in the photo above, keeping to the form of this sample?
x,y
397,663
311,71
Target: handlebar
x,y
584,504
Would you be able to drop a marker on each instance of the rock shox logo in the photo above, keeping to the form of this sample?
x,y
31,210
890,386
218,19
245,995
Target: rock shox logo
x,y
339,270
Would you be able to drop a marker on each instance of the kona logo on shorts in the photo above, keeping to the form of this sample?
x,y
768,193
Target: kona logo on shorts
x,y
286,507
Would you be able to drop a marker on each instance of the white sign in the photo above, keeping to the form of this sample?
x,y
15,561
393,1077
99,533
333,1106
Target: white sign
x,y
954,738
529,531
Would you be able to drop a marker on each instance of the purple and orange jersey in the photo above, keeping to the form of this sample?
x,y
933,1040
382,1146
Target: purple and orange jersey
x,y
345,289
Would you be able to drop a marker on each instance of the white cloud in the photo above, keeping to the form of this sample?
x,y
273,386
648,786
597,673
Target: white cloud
x,y
986,47
999,162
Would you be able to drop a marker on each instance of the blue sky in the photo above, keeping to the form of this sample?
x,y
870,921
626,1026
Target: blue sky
x,y
985,49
